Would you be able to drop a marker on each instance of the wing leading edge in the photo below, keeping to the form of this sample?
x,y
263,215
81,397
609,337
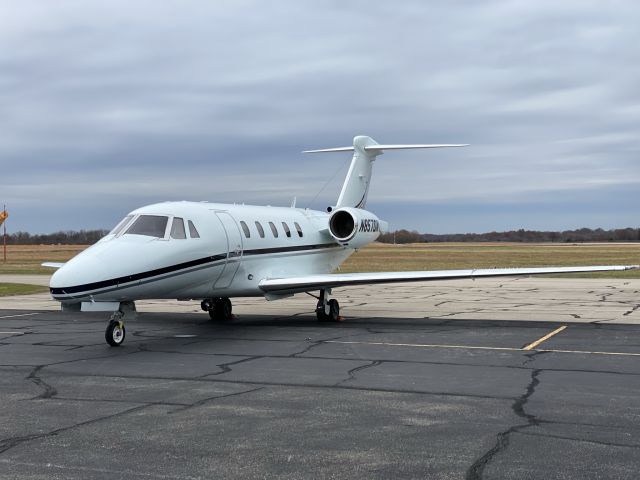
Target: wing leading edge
x,y
307,283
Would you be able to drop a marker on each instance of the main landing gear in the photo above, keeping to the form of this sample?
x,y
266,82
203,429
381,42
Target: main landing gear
x,y
218,308
327,310
115,332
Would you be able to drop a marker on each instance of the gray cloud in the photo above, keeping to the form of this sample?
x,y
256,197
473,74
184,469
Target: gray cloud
x,y
110,105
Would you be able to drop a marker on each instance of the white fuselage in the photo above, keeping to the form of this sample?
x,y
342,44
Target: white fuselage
x,y
215,259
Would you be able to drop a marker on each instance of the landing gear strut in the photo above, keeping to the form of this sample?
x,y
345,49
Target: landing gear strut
x,y
115,332
218,308
327,310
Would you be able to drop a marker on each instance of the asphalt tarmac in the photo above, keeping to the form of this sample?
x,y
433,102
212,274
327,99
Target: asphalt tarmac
x,y
268,396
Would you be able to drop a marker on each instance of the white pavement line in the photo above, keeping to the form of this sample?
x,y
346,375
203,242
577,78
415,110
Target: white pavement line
x,y
471,347
533,345
11,333
622,354
20,315
425,345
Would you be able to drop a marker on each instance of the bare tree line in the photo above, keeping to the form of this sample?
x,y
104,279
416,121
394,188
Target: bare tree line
x,y
567,236
69,237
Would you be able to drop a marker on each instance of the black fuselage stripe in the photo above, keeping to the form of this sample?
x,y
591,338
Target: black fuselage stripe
x,y
181,266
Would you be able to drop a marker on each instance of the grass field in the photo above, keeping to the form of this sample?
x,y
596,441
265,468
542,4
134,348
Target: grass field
x,y
27,258
9,289
423,256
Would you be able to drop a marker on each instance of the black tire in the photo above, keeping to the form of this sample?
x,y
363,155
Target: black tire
x,y
115,333
206,304
321,316
334,310
222,309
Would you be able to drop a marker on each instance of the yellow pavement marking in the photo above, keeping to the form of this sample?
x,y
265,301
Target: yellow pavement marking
x,y
533,345
471,347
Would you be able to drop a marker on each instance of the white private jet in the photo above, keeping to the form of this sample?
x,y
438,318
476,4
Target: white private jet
x,y
213,252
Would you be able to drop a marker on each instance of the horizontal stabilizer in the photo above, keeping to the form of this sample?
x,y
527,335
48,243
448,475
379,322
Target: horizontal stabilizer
x,y
323,150
373,148
380,148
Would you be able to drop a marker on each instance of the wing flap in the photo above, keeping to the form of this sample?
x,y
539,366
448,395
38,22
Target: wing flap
x,y
329,280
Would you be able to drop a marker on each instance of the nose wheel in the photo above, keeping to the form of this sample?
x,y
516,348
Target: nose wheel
x,y
115,331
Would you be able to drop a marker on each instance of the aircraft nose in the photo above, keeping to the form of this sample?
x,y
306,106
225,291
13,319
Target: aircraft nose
x,y
99,269
65,276
72,278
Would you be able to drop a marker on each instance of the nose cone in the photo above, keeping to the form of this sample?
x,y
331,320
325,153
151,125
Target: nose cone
x,y
73,273
82,273
101,267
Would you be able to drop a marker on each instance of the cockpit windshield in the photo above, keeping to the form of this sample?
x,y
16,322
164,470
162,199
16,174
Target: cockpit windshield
x,y
123,223
150,225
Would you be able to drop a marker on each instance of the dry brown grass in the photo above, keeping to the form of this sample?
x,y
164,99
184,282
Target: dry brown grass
x,y
27,258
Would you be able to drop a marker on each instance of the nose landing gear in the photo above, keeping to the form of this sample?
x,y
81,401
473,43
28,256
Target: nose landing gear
x,y
218,308
115,332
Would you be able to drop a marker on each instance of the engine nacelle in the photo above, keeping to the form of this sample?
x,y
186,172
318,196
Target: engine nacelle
x,y
355,227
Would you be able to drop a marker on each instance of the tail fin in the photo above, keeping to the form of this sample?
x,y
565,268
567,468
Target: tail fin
x,y
365,150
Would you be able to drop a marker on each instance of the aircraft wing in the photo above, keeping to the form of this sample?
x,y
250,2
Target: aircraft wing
x,y
275,286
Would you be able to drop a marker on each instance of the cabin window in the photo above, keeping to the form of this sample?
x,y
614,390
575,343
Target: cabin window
x,y
177,229
120,226
298,229
286,229
245,229
274,230
260,229
150,225
192,230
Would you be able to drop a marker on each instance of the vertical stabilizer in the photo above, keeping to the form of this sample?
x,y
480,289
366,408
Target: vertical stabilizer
x,y
356,186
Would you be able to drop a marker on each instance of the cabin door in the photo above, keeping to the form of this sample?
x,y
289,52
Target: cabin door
x,y
234,250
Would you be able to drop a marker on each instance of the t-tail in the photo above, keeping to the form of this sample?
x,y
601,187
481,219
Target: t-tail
x,y
365,150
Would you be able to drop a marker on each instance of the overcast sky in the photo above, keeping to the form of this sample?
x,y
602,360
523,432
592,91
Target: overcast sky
x,y
107,106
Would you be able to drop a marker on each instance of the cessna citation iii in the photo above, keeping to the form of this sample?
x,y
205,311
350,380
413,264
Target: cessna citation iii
x,y
213,252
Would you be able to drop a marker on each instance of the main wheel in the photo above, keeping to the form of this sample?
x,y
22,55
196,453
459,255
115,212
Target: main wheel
x,y
334,312
321,316
206,304
115,333
221,309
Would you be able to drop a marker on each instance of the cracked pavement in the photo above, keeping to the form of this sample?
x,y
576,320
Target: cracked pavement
x,y
386,394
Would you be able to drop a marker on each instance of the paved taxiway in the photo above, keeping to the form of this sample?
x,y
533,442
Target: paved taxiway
x,y
387,393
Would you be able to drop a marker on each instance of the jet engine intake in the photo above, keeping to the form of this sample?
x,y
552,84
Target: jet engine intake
x,y
355,227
